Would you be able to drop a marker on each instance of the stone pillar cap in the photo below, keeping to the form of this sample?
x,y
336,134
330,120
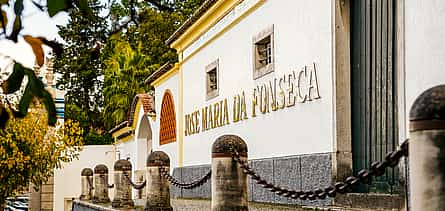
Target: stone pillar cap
x,y
101,169
428,110
158,158
86,172
225,143
122,165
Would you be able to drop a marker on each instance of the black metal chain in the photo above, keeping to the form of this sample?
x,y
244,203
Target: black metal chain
x,y
190,185
134,185
90,182
377,169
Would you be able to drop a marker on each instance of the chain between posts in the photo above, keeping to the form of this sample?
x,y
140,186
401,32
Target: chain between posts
x,y
190,185
377,169
90,182
134,185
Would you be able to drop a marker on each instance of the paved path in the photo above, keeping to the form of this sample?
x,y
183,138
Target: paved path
x,y
204,205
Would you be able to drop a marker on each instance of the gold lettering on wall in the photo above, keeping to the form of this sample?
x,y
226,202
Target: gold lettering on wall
x,y
254,101
243,113
204,119
239,107
282,92
196,115
187,121
192,123
290,89
226,113
313,84
301,99
236,108
216,115
264,99
275,94
210,117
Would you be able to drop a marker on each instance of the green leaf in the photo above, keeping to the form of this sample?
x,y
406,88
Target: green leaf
x,y
4,2
13,83
18,7
35,88
3,19
25,101
4,116
48,102
16,28
44,96
56,6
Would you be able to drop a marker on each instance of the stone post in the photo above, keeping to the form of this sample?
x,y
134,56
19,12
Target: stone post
x,y
101,184
158,190
122,193
86,179
427,150
229,182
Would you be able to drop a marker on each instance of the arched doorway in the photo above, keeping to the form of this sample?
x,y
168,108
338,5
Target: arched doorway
x,y
145,134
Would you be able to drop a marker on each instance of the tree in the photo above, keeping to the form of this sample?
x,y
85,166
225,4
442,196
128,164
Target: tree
x,y
135,53
52,8
81,68
124,78
30,150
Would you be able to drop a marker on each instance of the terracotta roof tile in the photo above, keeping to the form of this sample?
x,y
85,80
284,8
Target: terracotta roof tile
x,y
148,105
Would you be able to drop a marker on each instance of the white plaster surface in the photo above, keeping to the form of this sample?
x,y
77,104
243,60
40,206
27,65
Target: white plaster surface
x,y
67,181
301,38
171,149
424,48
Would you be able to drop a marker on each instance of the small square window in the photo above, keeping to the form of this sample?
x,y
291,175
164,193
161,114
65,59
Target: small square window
x,y
212,82
263,53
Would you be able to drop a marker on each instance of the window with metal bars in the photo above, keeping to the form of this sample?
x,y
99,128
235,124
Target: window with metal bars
x,y
212,81
263,52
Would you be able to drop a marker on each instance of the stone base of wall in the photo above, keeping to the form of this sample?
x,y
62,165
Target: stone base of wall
x,y
302,172
371,201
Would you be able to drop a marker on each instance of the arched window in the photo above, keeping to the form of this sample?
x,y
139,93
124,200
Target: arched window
x,y
167,133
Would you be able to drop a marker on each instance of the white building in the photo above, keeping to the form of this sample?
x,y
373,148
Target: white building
x,y
317,89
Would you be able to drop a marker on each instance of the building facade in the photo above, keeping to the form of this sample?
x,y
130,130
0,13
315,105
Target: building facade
x,y
317,89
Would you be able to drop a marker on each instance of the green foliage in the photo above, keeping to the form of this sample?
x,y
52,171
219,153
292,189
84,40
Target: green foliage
x,y
124,78
30,150
132,55
56,6
93,138
81,67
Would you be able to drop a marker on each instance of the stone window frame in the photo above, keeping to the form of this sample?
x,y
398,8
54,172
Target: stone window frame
x,y
212,93
259,70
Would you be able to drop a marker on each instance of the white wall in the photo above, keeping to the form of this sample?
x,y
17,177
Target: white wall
x,y
424,48
172,148
127,150
67,179
303,35
143,134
